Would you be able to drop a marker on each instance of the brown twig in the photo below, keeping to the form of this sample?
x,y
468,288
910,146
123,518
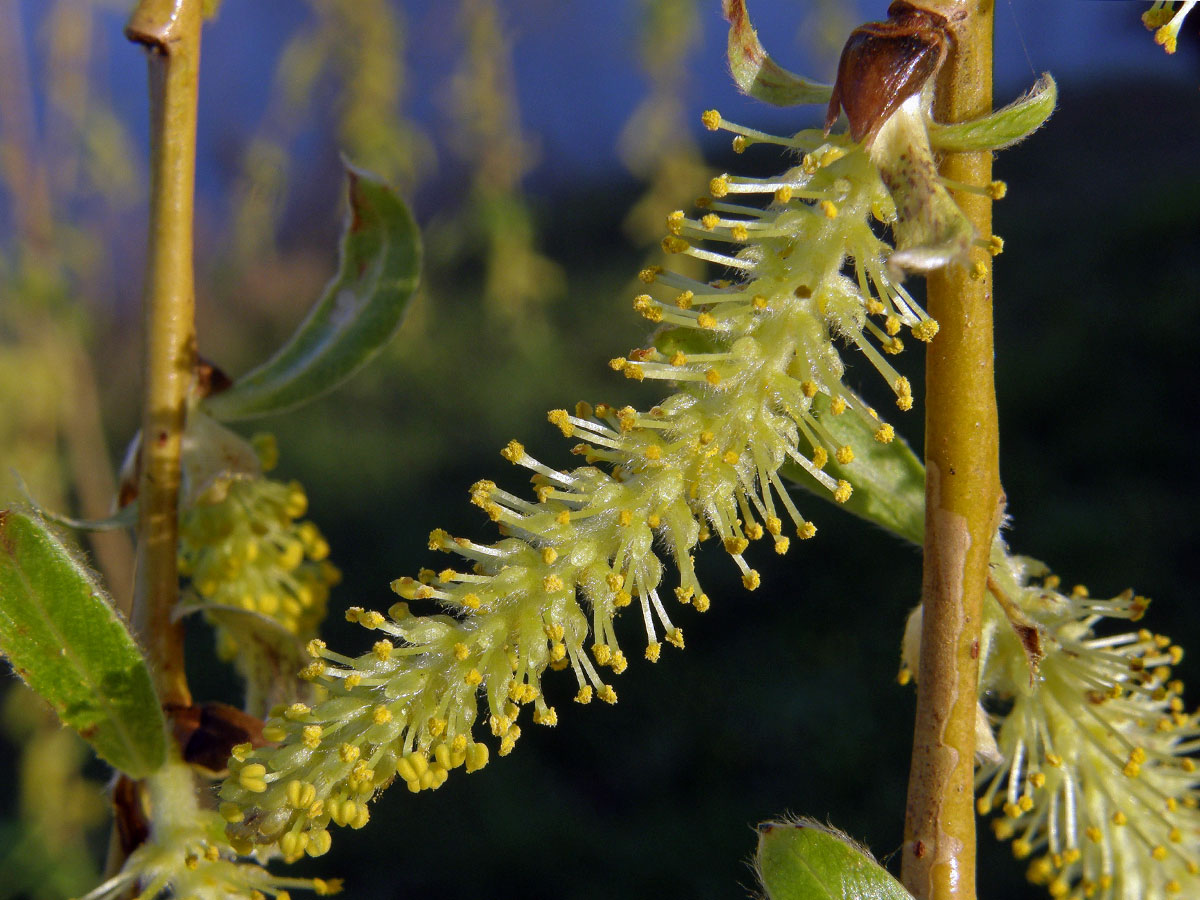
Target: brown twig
x,y
963,499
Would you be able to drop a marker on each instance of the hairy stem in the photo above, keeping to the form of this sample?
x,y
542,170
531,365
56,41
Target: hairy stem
x,y
170,31
963,500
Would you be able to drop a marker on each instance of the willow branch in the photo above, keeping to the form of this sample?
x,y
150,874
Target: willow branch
x,y
962,501
170,31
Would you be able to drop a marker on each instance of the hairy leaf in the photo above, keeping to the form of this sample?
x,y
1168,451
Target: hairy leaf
x,y
1002,128
756,73
359,312
61,635
805,860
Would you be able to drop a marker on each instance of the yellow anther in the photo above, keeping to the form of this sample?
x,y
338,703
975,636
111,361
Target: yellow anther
x,y
513,451
674,244
674,637
997,190
706,320
925,330
653,651
844,455
828,208
711,119
808,389
837,405
713,377
806,530
739,233
470,601
381,715
675,221
607,694
371,619
552,583
310,736
783,194
231,812
719,186
740,143
751,580
383,650
843,491
253,777
584,695
710,220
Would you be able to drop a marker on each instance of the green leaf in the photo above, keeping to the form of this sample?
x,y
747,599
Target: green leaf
x,y
61,635
888,479
1002,128
805,860
359,312
756,73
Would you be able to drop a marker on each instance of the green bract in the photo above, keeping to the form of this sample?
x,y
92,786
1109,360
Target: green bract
x,y
757,74
61,635
805,860
359,312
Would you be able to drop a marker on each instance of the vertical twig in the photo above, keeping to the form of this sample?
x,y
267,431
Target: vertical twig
x,y
170,31
962,500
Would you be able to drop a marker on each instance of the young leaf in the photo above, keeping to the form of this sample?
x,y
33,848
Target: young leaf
x,y
1002,128
60,634
888,479
805,860
756,73
360,310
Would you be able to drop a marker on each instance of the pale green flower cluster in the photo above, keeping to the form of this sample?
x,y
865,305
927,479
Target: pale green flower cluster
x,y
748,357
187,855
261,574
1092,772
243,548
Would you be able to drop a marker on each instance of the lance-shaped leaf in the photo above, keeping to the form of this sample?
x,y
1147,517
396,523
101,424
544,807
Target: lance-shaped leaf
x,y
888,479
61,635
359,312
1002,128
756,73
805,860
